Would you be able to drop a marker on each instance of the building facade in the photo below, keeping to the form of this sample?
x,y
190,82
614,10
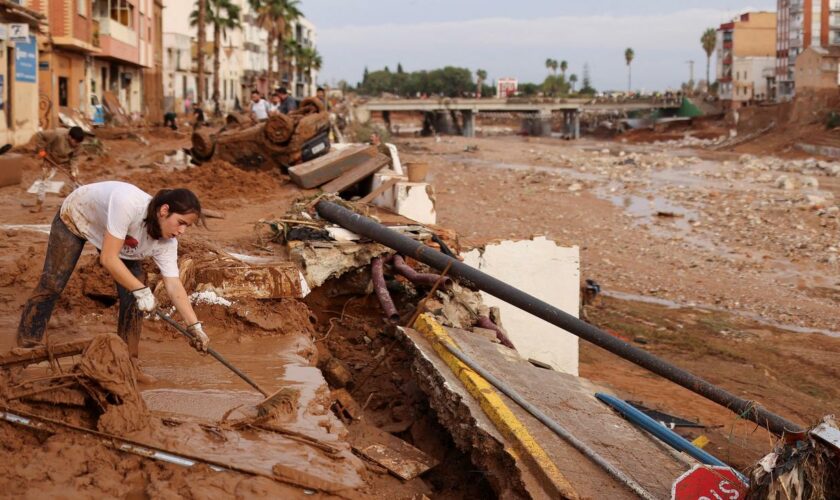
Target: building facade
x,y
802,24
124,34
243,59
746,58
19,62
818,68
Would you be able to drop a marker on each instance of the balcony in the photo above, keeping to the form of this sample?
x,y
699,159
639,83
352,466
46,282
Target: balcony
x,y
117,31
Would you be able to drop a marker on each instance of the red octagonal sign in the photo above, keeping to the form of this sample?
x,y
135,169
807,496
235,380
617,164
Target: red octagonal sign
x,y
706,482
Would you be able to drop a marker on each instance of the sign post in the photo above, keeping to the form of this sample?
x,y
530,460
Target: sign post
x,y
706,482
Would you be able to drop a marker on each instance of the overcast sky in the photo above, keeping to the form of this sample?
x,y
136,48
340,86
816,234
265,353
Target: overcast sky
x,y
514,37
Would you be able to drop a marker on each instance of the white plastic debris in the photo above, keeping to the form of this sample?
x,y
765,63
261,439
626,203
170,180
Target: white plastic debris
x,y
209,297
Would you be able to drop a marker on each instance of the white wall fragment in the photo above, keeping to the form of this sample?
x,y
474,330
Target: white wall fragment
x,y
547,271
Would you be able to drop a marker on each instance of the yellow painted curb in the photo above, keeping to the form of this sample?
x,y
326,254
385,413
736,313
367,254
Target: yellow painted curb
x,y
496,409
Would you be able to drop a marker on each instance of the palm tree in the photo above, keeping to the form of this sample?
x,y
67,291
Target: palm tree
x,y
273,16
563,67
628,56
480,76
290,12
308,59
573,81
202,39
709,41
222,15
551,64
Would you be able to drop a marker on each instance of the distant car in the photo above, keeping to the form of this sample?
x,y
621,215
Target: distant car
x,y
97,112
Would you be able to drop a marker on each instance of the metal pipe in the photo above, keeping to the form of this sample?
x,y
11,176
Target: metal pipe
x,y
378,277
427,279
406,246
663,433
487,323
551,424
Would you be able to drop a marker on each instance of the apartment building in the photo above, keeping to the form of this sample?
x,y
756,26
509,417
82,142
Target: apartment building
x,y
124,33
802,24
746,58
243,61
19,61
65,61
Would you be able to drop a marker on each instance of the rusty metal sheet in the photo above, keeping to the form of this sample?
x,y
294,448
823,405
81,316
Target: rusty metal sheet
x,y
264,281
400,458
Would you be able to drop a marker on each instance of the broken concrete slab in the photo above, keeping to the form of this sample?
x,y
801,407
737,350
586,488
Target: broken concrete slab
x,y
333,164
545,270
321,261
400,458
566,399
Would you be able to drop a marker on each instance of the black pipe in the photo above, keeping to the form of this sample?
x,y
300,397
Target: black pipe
x,y
406,246
427,279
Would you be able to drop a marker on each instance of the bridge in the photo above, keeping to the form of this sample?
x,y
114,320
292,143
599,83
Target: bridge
x,y
436,110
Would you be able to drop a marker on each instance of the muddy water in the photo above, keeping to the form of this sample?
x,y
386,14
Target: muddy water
x,y
755,317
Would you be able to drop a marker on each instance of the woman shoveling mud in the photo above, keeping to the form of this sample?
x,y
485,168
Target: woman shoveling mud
x,y
126,225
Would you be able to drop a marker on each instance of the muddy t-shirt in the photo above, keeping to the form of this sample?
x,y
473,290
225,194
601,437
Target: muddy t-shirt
x,y
119,208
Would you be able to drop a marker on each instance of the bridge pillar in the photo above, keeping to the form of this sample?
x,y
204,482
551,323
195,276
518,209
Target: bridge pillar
x,y
469,122
576,124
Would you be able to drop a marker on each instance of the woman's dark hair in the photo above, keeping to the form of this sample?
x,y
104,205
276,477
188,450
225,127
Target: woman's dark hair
x,y
180,201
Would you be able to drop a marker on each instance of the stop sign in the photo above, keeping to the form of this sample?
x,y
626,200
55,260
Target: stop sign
x,y
708,482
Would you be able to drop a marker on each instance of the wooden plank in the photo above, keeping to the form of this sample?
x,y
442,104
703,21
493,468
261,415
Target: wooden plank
x,y
37,354
400,458
333,164
379,190
360,172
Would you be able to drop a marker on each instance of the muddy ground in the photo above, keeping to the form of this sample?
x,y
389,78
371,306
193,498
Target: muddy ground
x,y
702,260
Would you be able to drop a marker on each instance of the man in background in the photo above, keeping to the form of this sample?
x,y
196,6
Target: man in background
x,y
287,102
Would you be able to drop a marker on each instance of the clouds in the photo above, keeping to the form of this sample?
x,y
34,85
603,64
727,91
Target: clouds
x,y
518,47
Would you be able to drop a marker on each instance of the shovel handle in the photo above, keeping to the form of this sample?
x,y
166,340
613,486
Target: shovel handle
x,y
210,351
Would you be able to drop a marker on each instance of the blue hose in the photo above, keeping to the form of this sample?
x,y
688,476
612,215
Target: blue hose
x,y
663,433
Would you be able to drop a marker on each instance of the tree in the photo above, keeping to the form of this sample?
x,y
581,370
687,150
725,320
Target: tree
x,y
309,59
288,12
400,68
563,67
365,75
709,41
202,39
222,15
275,17
551,65
480,76
586,88
555,85
628,56
573,81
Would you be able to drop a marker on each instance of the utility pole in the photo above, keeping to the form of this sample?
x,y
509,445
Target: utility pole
x,y
690,70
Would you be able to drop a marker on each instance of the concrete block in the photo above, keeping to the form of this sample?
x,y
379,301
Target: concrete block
x,y
415,200
548,272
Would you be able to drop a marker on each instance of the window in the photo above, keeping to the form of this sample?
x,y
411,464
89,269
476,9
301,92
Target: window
x,y
82,7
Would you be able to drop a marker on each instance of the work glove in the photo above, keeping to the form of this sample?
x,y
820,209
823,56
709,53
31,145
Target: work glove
x,y
145,299
200,340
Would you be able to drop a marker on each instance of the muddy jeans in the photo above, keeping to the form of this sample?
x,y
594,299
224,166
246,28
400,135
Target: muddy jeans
x,y
63,251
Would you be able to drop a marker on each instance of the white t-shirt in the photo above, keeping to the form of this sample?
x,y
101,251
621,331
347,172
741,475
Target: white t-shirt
x,y
119,208
260,109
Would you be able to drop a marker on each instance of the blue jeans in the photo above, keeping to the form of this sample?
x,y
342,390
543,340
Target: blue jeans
x,y
63,251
